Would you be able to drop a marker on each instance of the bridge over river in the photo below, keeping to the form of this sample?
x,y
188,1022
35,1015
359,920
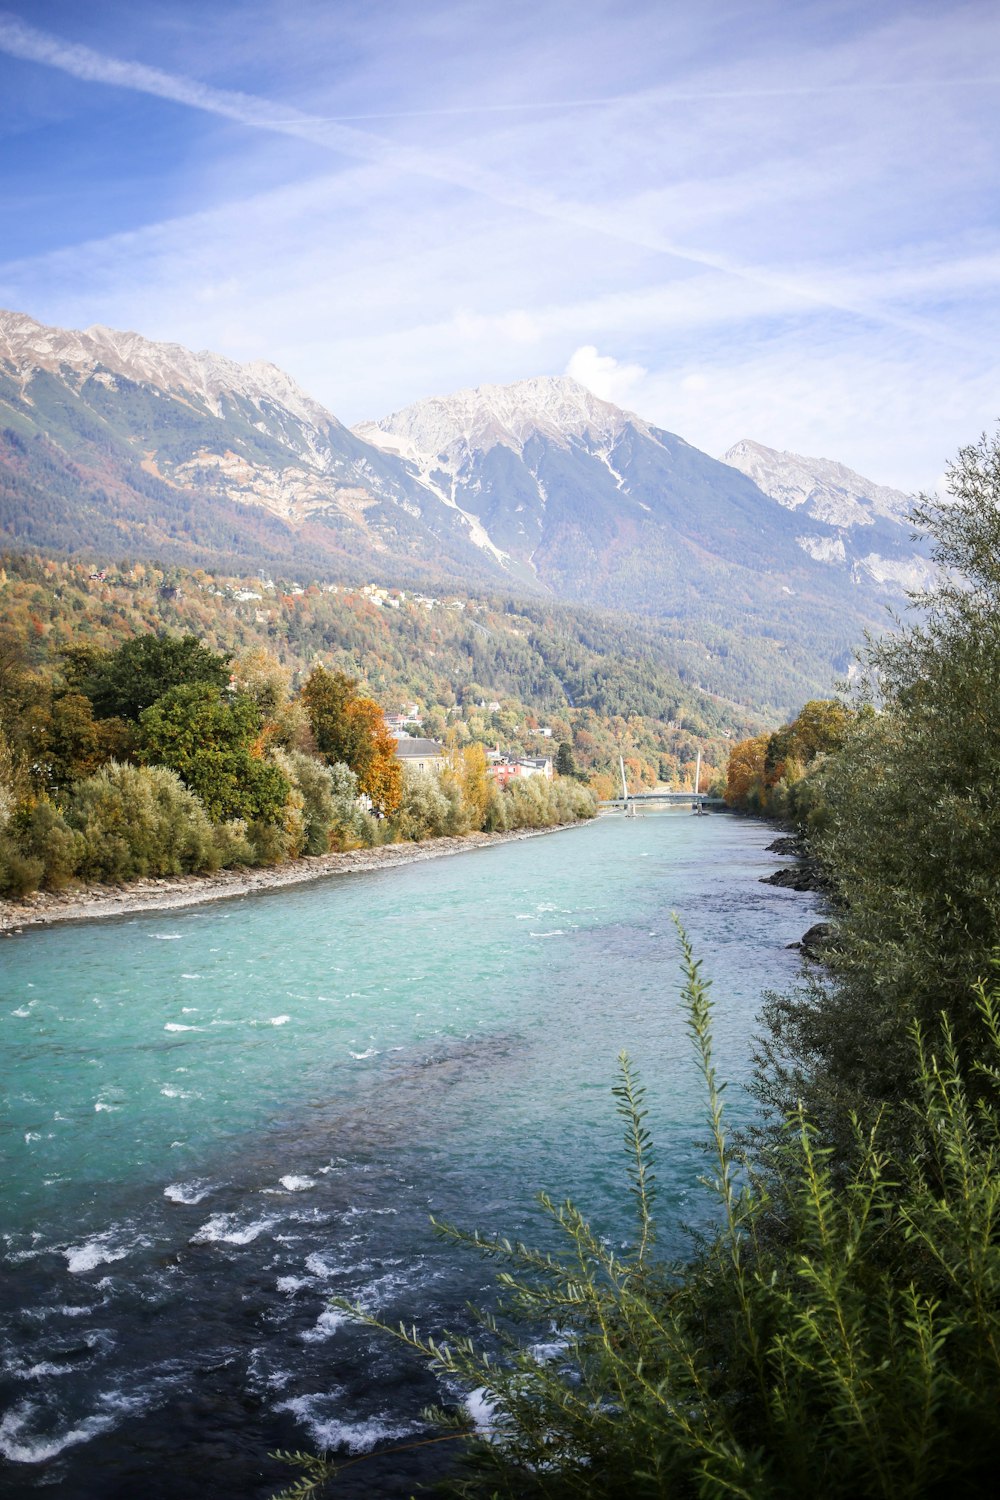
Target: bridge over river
x,y
699,801
629,801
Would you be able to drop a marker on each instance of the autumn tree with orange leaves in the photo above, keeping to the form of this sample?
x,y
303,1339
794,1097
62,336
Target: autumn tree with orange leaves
x,y
377,766
761,770
351,731
745,773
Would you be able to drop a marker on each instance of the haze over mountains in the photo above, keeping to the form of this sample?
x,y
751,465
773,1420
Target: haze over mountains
x,y
111,442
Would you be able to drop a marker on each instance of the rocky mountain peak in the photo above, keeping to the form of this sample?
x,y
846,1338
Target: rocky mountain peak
x,y
823,489
556,408
28,345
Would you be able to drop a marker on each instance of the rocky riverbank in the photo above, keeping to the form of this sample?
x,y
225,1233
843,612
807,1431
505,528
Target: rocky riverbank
x,y
803,875
80,903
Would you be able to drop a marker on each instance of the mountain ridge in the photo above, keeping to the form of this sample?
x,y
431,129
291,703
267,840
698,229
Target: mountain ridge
x,y
825,488
452,443
114,442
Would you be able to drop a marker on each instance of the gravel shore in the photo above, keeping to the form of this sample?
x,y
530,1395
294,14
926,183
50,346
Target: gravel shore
x,y
90,902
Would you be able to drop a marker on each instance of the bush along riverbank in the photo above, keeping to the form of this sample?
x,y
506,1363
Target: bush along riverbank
x,y
839,1334
161,759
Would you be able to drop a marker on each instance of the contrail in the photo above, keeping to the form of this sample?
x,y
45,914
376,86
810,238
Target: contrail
x,y
30,44
667,97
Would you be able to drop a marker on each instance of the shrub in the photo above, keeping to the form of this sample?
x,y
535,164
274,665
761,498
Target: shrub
x,y
495,814
431,808
352,825
270,843
232,843
20,874
331,815
538,803
43,834
140,820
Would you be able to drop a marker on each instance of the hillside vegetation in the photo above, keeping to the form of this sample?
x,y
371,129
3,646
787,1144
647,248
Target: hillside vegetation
x,y
604,684
163,757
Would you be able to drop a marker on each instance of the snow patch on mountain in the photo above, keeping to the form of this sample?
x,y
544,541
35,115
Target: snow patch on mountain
x,y
605,457
429,473
909,574
824,549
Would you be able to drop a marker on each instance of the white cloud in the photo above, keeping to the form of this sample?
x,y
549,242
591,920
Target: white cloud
x,y
606,376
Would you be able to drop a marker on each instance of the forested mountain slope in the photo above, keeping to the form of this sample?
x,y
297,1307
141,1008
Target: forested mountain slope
x,y
114,446
604,683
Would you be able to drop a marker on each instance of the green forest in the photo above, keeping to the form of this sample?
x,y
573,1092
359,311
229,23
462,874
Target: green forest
x,y
839,1335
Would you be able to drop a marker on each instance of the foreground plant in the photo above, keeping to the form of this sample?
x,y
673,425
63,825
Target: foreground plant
x,y
832,1341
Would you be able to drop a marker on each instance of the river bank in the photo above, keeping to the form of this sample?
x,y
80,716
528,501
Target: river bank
x,y
88,903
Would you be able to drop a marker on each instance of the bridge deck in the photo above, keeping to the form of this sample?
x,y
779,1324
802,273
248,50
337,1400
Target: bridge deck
x,y
669,797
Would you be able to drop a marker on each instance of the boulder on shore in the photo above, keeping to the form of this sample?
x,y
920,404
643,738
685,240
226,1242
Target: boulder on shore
x,y
794,878
812,943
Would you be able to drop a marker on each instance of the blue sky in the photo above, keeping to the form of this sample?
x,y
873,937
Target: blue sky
x,y
739,219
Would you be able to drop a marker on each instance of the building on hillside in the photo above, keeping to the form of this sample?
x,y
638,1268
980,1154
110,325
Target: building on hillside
x,y
397,723
507,768
420,755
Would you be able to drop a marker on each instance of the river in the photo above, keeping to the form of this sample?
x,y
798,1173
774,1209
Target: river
x,y
217,1118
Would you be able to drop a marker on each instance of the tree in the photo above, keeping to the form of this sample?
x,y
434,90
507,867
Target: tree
x,y
258,675
818,728
377,766
351,731
67,742
327,696
566,760
143,669
745,775
905,823
210,743
477,788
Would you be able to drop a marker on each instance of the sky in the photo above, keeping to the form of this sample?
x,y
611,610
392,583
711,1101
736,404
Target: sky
x,y
740,220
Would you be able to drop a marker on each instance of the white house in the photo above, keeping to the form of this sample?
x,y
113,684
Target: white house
x,y
421,755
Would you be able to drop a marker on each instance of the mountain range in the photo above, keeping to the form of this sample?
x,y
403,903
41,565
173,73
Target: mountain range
x,y
110,442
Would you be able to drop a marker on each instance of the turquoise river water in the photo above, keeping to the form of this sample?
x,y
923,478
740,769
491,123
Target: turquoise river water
x,y
217,1118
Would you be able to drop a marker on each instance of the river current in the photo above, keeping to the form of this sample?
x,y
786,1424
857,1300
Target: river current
x,y
217,1118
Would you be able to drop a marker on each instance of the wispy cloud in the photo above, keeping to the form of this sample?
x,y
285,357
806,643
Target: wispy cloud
x,y
732,223
29,43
